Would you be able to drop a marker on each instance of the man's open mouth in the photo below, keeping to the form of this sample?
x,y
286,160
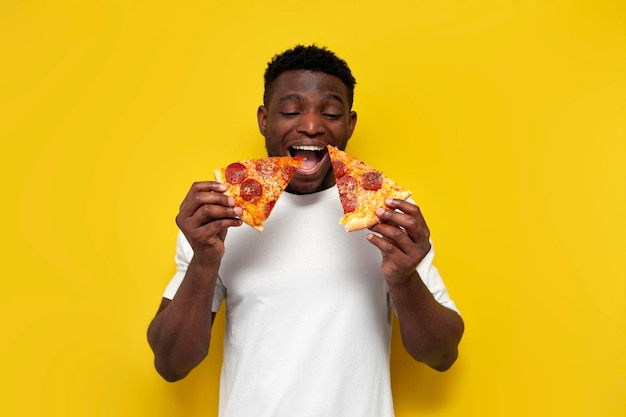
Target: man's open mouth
x,y
314,155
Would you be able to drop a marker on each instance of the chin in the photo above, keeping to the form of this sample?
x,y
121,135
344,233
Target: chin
x,y
312,181
304,187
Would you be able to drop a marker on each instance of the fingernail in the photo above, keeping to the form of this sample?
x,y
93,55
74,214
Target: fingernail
x,y
238,211
231,201
380,211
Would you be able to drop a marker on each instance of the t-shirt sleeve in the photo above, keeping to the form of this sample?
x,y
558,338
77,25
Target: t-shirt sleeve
x,y
431,277
184,254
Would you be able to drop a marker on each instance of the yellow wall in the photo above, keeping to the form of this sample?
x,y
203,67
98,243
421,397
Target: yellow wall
x,y
506,118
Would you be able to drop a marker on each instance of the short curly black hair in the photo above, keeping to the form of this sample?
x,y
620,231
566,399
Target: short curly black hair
x,y
311,58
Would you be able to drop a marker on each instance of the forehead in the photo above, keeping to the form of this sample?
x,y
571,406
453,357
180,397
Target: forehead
x,y
308,84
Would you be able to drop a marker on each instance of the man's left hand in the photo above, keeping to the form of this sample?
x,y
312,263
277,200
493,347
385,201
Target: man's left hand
x,y
403,239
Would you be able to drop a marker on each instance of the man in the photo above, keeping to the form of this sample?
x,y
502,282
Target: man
x,y
308,305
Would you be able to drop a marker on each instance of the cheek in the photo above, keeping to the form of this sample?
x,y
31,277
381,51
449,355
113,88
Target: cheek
x,y
341,133
272,141
276,131
270,147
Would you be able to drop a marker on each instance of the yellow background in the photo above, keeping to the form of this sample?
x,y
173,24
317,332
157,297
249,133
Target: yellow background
x,y
506,118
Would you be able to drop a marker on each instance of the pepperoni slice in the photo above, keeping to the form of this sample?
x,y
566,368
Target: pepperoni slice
x,y
348,202
346,184
236,173
288,171
372,180
340,168
251,190
268,208
266,167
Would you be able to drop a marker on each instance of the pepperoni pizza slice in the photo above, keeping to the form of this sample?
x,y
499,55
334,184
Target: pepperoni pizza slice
x,y
256,184
362,189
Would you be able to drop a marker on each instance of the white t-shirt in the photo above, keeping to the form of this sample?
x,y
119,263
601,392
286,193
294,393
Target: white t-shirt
x,y
308,320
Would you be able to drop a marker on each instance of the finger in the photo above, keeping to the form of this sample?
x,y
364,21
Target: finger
x,y
207,213
204,229
406,215
396,244
386,247
395,235
408,232
210,212
201,193
402,205
200,186
397,259
215,229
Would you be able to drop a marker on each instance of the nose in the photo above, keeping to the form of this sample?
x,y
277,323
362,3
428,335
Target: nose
x,y
311,124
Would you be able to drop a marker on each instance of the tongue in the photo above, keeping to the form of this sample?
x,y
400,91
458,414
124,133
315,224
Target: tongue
x,y
312,158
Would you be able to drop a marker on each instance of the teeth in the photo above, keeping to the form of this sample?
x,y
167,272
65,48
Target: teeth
x,y
308,148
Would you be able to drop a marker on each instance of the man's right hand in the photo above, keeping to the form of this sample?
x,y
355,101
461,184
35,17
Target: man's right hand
x,y
204,218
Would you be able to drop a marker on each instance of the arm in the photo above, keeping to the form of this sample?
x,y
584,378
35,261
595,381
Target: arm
x,y
430,332
180,333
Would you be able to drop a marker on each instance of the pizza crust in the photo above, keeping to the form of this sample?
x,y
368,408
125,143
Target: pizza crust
x,y
354,223
366,215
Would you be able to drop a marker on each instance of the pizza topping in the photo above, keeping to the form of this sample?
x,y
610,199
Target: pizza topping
x,y
266,167
251,190
236,173
340,168
349,202
346,184
347,187
372,180
289,171
269,207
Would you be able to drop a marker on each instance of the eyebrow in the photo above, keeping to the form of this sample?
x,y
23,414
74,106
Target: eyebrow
x,y
299,97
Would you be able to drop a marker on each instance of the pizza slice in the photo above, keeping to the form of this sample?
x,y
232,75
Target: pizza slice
x,y
362,189
256,184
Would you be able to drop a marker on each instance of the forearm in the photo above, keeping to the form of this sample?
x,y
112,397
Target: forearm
x,y
180,333
430,332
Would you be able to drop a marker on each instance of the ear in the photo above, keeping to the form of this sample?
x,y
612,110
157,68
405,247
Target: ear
x,y
351,123
261,116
